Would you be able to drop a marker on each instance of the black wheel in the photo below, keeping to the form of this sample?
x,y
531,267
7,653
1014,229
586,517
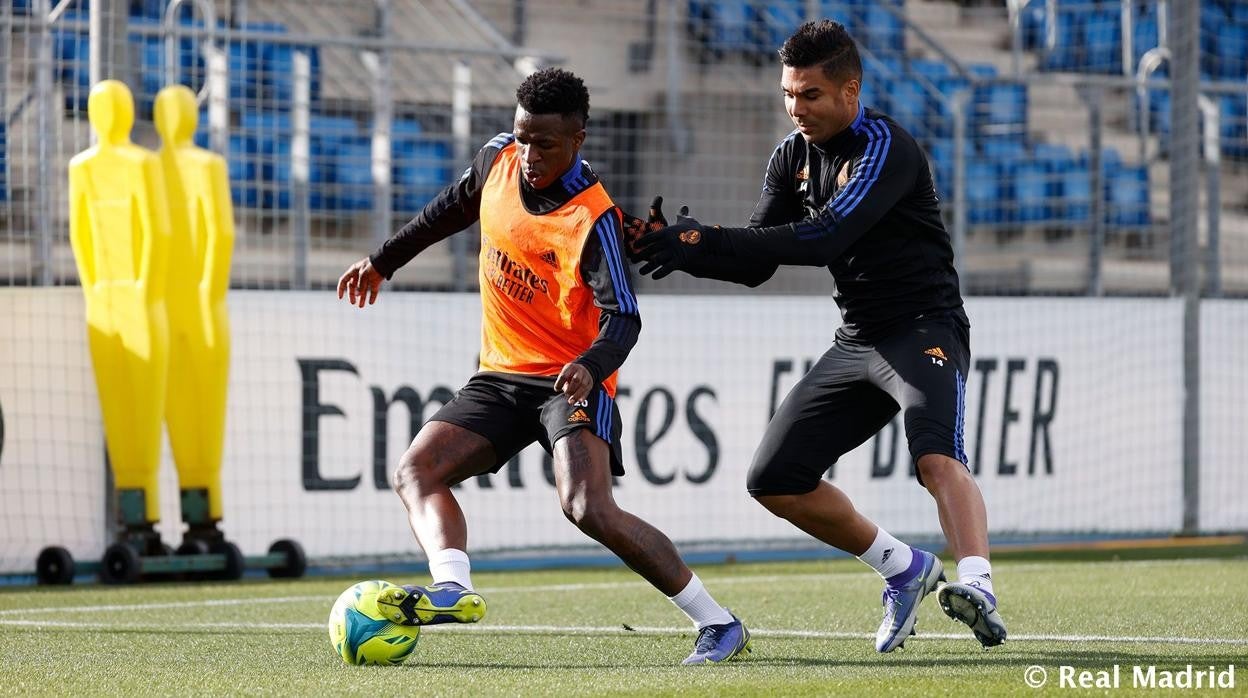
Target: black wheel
x,y
296,560
192,546
120,565
54,566
234,562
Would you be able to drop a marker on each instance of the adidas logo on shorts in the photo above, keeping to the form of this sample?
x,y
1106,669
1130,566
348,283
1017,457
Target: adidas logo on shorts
x,y
578,416
936,352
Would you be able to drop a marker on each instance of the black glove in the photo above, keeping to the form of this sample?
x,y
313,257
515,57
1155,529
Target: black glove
x,y
671,248
635,228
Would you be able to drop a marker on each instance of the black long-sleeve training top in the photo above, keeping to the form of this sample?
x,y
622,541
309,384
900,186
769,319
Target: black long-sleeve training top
x,y
862,204
458,206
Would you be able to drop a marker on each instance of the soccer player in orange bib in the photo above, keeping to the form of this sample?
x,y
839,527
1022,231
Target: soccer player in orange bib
x,y
559,318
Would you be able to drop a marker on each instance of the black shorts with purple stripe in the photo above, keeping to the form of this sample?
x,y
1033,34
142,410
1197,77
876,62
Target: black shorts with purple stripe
x,y
854,390
512,411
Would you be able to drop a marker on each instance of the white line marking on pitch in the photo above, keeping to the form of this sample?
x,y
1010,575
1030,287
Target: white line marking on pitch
x,y
611,630
488,591
588,586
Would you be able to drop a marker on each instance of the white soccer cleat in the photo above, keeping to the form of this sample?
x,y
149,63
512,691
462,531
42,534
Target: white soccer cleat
x,y
975,607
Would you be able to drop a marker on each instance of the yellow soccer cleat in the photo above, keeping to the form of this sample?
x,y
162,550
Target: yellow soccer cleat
x,y
447,602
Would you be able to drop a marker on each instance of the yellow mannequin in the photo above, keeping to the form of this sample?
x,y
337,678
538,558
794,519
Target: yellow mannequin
x,y
119,227
202,220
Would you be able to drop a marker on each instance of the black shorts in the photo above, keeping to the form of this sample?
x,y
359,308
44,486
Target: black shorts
x,y
853,391
513,411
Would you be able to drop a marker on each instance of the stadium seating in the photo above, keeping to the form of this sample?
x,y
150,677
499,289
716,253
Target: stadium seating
x,y
1126,197
756,28
70,49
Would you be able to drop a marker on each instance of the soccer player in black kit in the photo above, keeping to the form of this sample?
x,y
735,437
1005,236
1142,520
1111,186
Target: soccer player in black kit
x,y
849,189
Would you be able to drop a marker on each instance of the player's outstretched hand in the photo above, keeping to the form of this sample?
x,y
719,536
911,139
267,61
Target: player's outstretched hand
x,y
361,282
669,249
635,228
574,382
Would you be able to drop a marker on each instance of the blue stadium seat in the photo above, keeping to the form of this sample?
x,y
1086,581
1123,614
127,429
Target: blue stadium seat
x,y
881,32
1033,25
1231,52
1239,13
1057,163
1143,34
264,70
1074,185
71,48
940,115
1003,151
941,153
720,26
354,175
984,193
907,104
1232,116
1033,193
244,174
268,122
1102,43
1065,55
773,21
1000,109
422,167
1126,197
21,7
931,70
839,11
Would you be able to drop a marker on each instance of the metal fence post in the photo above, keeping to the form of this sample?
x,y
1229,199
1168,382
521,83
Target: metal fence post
x,y
1213,196
961,101
1184,198
1096,243
299,167
383,115
461,136
43,89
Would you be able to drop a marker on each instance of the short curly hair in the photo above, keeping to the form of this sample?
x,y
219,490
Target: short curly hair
x,y
824,43
554,91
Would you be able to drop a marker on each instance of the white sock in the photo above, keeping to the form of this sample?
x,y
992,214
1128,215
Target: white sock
x,y
697,603
450,565
976,571
887,555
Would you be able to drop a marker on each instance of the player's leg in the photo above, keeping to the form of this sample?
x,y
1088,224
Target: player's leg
x,y
925,371
830,412
462,440
586,454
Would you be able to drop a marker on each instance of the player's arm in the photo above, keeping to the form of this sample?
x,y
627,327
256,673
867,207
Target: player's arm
x,y
884,174
605,269
454,208
732,270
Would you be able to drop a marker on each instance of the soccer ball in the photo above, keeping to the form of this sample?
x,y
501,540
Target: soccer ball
x,y
360,634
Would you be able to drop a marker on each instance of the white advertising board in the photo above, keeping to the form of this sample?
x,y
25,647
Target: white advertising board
x,y
1073,422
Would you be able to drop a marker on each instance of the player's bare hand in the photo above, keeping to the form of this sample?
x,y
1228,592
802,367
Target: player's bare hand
x,y
634,227
574,382
361,283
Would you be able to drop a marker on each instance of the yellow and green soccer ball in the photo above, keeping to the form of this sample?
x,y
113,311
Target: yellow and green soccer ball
x,y
360,634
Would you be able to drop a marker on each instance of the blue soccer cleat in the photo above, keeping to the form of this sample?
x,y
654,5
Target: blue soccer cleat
x,y
901,602
719,643
447,602
975,607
